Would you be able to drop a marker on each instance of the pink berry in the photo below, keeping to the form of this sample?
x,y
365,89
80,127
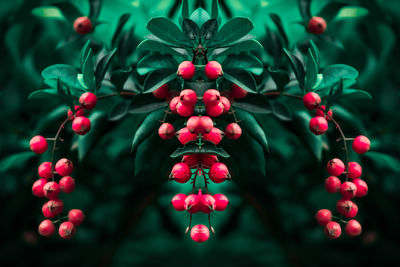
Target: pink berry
x,y
162,92
226,103
178,202
191,160
318,125
79,111
208,160
184,111
233,131
191,203
213,70
88,100
215,111
64,167
353,228
81,125
186,70
354,170
199,203
211,97
166,131
323,217
188,97
52,208
362,187
311,100
221,202
332,184
66,230
347,208
184,136
45,170
321,113
181,172
173,103
38,144
219,172
215,136
76,217
199,233
37,187
200,124
46,228
237,92
348,190
83,25
207,203
333,230
67,184
361,144
316,25
335,167
51,190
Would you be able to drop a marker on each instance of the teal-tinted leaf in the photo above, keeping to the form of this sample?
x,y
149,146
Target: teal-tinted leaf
x,y
157,78
311,72
165,29
280,110
278,22
121,23
119,110
69,10
190,29
305,9
333,95
351,12
315,52
355,94
254,105
207,147
384,161
280,77
15,161
333,73
154,62
102,67
200,16
66,95
48,12
297,67
95,8
88,71
209,29
251,126
314,142
119,77
329,11
43,94
185,9
233,30
145,103
214,9
241,78
247,45
84,52
152,45
245,62
67,74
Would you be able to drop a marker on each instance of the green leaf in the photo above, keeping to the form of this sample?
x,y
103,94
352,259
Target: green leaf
x,y
278,22
165,29
119,110
333,95
152,45
190,29
200,16
233,30
311,72
67,74
355,94
48,12
209,29
84,52
43,94
102,67
329,11
154,62
95,8
241,78
280,77
244,46
333,73
69,10
315,53
15,161
297,67
123,19
214,9
185,9
207,147
119,77
245,62
145,103
257,105
384,161
305,9
280,110
88,71
251,126
351,12
157,78
67,96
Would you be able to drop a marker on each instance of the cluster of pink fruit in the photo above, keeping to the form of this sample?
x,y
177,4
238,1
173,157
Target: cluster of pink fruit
x,y
336,167
64,167
200,128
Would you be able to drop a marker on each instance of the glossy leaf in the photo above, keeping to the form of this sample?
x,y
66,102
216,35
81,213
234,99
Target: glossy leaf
x,y
157,78
165,29
305,9
245,62
15,161
95,8
123,19
145,103
119,77
297,67
207,147
280,77
244,46
119,110
88,71
241,78
278,22
151,45
209,29
102,67
280,110
190,29
312,72
154,62
233,30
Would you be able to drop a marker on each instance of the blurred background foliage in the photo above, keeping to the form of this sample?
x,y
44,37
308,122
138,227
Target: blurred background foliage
x,y
270,221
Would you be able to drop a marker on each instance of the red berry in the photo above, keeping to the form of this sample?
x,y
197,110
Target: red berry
x,y
362,187
199,233
219,172
184,136
166,131
361,144
191,160
181,172
186,70
226,103
184,111
88,100
237,92
321,113
323,217
52,208
162,92
200,124
76,217
332,184
353,228
37,187
316,25
213,70
215,111
66,230
188,97
178,202
206,203
78,112
45,170
38,144
354,170
208,160
221,202
333,230
347,208
348,190
211,97
173,103
81,125
318,125
191,203
215,136
46,228
64,167
83,25
51,190
335,167
233,131
67,184
311,100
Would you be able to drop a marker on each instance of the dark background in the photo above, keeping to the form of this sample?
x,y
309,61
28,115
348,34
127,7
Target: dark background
x,y
270,221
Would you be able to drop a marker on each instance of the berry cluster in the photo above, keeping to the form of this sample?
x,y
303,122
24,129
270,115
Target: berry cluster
x,y
352,187
199,130
46,185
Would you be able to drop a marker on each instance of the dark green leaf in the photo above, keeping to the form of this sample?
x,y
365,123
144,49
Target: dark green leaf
x,y
190,29
209,29
251,126
152,45
119,110
15,161
102,67
154,62
119,77
207,147
329,11
145,103
333,95
233,30
355,94
384,161
278,22
69,10
214,9
241,78
88,71
333,73
165,29
84,52
280,77
244,46
280,110
43,94
315,52
67,74
121,23
157,78
245,62
311,72
305,9
185,9
95,8
297,67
